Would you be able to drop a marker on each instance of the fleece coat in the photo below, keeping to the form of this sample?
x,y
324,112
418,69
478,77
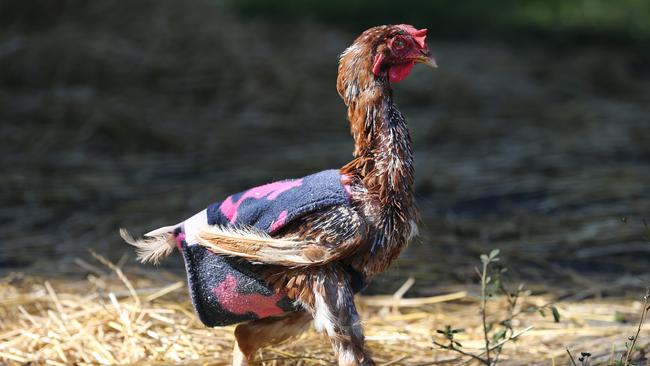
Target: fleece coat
x,y
227,290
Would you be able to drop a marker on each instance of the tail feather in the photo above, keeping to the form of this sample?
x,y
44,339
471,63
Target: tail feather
x,y
257,246
162,230
153,248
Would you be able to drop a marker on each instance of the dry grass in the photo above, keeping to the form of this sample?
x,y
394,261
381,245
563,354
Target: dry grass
x,y
538,151
146,318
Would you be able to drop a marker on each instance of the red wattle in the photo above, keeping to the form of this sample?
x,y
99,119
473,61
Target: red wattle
x,y
397,73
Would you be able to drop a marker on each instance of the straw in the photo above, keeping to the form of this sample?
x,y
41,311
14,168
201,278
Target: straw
x,y
120,319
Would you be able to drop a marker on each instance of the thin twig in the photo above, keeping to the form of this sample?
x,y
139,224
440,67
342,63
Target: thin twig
x,y
497,353
383,300
285,358
573,361
511,338
484,311
447,361
452,348
644,312
119,273
396,360
537,308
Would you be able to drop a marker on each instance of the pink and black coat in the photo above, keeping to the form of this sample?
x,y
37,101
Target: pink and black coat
x,y
227,290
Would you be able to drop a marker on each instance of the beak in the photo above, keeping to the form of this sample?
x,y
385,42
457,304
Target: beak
x,y
426,59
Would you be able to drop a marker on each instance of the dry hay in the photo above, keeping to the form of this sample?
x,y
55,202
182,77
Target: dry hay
x,y
146,318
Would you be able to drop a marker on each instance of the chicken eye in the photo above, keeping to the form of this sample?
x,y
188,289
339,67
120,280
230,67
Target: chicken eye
x,y
399,43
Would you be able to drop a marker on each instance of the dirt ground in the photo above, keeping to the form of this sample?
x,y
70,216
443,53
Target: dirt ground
x,y
138,116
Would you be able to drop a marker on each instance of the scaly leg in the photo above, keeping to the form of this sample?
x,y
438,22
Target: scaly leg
x,y
256,334
331,303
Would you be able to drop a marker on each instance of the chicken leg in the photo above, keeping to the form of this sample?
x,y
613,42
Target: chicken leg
x,y
256,334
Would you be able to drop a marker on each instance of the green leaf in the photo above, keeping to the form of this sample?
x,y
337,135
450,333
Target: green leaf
x,y
494,253
542,313
556,314
501,334
485,259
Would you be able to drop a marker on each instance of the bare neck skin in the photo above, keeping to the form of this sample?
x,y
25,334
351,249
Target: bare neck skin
x,y
383,159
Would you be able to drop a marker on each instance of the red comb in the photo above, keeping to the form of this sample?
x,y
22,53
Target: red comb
x,y
418,34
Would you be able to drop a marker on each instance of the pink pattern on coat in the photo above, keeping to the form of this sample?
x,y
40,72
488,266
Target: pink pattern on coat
x,y
271,191
279,222
231,300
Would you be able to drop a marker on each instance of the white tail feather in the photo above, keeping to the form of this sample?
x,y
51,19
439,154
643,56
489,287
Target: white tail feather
x,y
151,249
162,230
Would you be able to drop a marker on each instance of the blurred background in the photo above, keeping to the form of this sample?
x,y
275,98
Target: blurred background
x,y
533,136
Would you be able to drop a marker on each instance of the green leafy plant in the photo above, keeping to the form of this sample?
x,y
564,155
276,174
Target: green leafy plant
x,y
630,347
496,334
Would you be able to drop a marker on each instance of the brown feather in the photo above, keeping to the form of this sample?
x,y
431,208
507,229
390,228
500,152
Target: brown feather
x,y
315,239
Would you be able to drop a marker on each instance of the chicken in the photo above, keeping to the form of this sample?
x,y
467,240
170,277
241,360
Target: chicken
x,y
277,256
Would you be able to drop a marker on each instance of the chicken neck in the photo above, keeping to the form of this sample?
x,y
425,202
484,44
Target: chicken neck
x,y
382,168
